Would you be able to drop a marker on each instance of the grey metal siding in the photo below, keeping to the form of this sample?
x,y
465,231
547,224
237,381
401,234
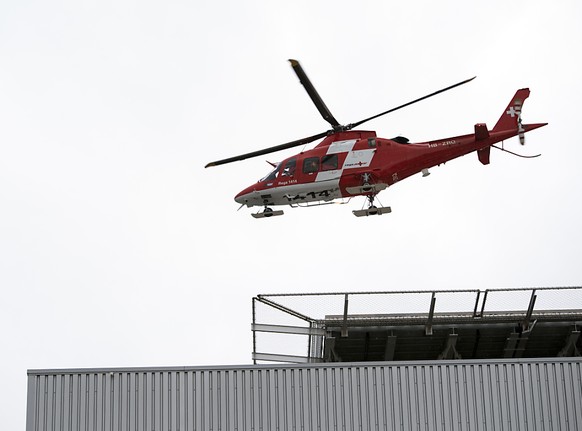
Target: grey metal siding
x,y
445,395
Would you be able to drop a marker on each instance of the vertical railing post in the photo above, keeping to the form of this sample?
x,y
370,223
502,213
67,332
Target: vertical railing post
x,y
483,304
345,322
254,334
477,305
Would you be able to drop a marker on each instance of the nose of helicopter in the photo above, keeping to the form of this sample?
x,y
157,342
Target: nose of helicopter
x,y
240,198
244,197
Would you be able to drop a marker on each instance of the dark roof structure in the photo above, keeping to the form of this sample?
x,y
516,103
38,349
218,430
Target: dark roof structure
x,y
418,325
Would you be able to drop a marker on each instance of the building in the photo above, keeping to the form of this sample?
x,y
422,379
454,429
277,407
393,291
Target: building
x,y
449,367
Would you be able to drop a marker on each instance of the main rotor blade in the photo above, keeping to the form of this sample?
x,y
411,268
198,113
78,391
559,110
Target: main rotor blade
x,y
291,144
323,110
352,125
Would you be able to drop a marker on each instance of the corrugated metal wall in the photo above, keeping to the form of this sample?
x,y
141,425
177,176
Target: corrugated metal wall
x,y
447,395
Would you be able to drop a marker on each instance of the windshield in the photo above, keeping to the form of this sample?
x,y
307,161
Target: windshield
x,y
272,174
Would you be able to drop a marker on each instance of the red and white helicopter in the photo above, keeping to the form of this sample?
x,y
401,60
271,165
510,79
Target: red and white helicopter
x,y
348,163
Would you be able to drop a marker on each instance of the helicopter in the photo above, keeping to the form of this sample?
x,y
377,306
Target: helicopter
x,y
349,163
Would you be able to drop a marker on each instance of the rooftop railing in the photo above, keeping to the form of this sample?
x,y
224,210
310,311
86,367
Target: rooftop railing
x,y
292,327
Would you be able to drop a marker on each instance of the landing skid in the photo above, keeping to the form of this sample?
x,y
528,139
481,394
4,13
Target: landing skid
x,y
267,212
372,211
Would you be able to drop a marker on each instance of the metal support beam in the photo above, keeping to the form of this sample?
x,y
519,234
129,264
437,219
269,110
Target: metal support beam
x,y
532,302
315,343
475,314
517,342
390,348
282,308
521,345
510,345
483,303
254,333
450,350
366,346
329,353
570,348
476,344
345,321
282,329
428,327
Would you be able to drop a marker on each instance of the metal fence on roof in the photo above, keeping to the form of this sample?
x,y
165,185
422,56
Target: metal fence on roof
x,y
294,325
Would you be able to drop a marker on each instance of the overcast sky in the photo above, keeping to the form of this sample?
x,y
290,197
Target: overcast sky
x,y
117,248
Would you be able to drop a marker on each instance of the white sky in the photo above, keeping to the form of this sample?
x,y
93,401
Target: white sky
x,y
117,248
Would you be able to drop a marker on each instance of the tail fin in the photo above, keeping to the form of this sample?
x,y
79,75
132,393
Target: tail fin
x,y
511,117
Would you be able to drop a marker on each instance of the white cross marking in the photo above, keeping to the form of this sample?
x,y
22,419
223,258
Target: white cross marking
x,y
511,112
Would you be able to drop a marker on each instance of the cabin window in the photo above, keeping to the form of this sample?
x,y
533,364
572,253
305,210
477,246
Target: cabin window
x,y
289,168
329,162
311,165
271,176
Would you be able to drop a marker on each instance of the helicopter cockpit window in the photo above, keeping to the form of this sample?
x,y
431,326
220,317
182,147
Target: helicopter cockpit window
x,y
311,165
289,168
329,162
271,176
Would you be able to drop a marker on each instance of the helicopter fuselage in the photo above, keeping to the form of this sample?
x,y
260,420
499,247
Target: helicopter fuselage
x,y
345,163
